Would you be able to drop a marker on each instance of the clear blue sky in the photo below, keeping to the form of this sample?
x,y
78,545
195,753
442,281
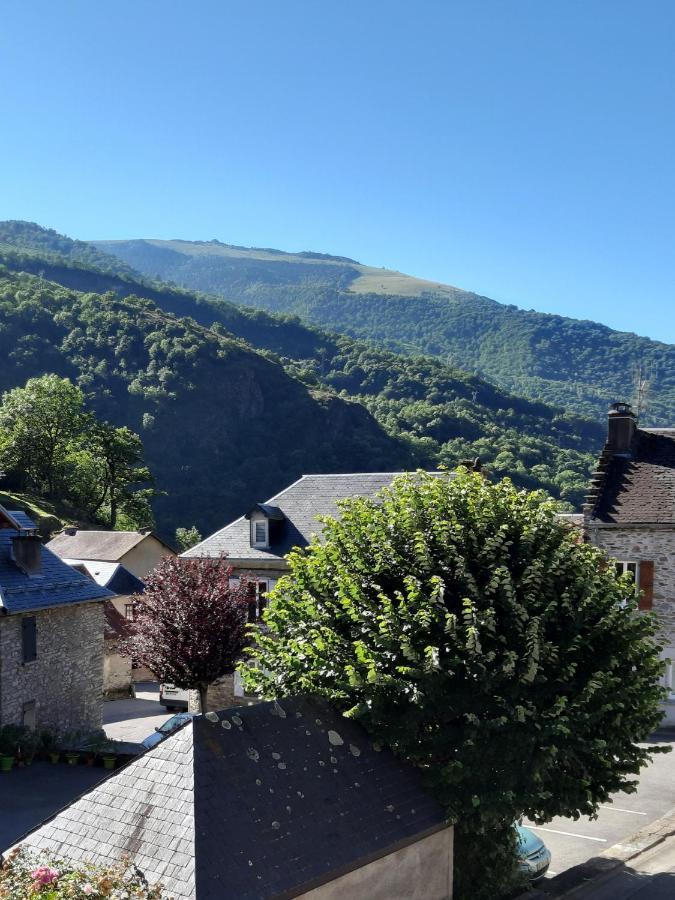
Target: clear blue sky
x,y
519,148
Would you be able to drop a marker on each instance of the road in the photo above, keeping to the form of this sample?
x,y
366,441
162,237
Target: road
x,y
575,841
133,719
650,877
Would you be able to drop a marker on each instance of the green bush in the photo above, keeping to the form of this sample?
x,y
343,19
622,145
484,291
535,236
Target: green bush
x,y
27,876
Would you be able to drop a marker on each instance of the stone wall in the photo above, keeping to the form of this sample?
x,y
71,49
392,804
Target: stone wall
x,y
420,871
646,543
116,673
65,680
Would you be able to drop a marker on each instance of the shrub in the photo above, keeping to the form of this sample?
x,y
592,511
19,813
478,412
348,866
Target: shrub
x,y
27,876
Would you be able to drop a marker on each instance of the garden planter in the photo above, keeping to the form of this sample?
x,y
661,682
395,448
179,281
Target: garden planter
x,y
72,758
54,758
90,759
6,763
109,762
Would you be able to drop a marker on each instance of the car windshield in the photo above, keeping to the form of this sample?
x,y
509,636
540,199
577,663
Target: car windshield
x,y
171,724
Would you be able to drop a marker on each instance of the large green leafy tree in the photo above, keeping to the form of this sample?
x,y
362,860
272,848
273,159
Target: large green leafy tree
x,y
470,630
50,444
39,423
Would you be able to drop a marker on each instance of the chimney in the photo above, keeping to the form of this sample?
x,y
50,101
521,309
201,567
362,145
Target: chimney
x,y
621,429
70,530
26,553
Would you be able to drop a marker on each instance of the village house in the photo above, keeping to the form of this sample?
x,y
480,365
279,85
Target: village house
x,y
630,513
137,551
280,800
118,673
257,543
51,634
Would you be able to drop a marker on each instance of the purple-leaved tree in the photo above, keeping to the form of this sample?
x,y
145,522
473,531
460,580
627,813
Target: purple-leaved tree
x,y
190,624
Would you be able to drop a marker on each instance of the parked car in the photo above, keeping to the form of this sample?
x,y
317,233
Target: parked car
x,y
173,697
163,731
534,857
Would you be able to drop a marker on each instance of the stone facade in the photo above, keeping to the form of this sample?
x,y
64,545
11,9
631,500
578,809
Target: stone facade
x,y
645,542
63,686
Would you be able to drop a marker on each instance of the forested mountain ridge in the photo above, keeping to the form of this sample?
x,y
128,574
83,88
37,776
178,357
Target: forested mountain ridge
x,y
581,365
439,414
221,424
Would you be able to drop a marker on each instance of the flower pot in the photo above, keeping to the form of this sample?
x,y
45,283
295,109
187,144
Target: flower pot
x,y
109,762
54,757
90,759
72,758
6,763
28,759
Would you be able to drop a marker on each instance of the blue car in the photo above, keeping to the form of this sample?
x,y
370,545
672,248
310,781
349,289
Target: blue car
x,y
171,725
534,857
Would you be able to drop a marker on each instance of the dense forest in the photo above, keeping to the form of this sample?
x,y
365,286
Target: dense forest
x,y
232,404
580,365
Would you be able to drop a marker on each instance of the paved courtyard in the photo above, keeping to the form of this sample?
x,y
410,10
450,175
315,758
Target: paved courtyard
x,y
134,718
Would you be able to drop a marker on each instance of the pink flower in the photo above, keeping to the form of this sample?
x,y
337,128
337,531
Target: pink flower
x,y
44,875
87,889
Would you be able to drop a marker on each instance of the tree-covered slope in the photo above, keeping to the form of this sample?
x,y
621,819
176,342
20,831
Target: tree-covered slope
x,y
222,425
437,413
581,365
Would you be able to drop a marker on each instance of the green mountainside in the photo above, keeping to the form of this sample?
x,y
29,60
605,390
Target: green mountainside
x,y
580,365
232,403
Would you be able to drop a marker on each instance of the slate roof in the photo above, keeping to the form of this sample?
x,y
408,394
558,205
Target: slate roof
x,y
56,585
114,576
301,503
638,488
108,546
265,801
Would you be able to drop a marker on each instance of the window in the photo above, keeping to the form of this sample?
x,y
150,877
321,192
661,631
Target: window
x,y
258,602
259,532
631,567
29,638
129,614
29,716
642,572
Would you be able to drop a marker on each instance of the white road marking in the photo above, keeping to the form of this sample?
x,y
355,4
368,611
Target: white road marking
x,y
619,809
567,833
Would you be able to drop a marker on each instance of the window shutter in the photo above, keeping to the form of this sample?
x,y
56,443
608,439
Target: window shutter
x,y
646,584
29,638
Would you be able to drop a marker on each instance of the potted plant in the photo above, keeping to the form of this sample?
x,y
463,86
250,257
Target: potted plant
x,y
71,742
49,745
108,754
93,744
31,743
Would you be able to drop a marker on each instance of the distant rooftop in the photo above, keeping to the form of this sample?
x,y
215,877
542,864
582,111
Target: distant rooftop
x,y
300,503
55,584
258,802
108,546
639,487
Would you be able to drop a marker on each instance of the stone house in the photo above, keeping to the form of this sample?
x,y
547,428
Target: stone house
x,y
630,513
280,800
137,551
118,672
51,634
256,544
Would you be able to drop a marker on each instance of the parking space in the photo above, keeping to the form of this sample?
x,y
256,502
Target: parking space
x,y
575,841
134,718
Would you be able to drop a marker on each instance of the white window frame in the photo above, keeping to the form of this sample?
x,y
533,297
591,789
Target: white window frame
x,y
624,565
254,532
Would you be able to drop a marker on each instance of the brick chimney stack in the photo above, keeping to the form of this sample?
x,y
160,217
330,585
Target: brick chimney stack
x,y
621,429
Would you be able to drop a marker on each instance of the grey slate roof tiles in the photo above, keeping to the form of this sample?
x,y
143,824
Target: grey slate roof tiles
x,y
252,803
109,546
56,585
640,489
301,503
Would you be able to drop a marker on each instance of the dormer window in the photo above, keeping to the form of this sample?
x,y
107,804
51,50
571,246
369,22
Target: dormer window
x,y
259,533
265,522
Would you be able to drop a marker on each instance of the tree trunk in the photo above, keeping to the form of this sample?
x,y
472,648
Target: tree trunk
x,y
203,691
